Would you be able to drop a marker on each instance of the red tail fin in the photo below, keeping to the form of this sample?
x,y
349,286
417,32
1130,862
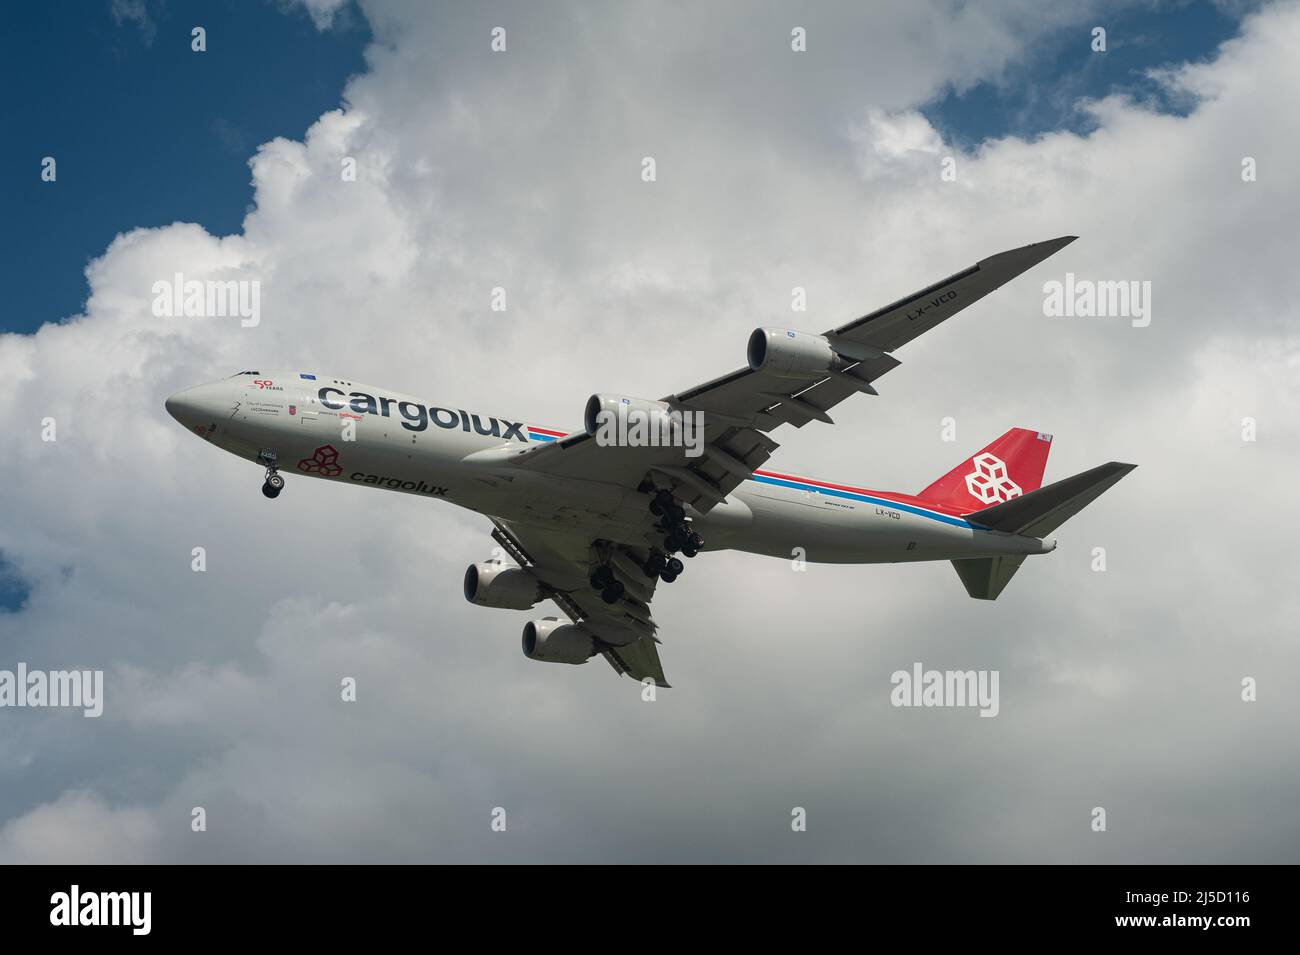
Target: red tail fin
x,y
1010,466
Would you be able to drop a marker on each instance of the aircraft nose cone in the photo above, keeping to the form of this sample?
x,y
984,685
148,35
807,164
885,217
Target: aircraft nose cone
x,y
177,405
202,406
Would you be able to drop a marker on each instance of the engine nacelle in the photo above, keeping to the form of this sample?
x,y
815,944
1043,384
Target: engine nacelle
x,y
621,413
550,641
495,584
786,353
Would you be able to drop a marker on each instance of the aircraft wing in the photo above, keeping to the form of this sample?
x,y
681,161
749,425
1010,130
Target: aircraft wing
x,y
563,562
767,402
740,408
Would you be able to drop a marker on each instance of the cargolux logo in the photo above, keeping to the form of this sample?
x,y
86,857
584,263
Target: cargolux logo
x,y
417,417
325,462
989,481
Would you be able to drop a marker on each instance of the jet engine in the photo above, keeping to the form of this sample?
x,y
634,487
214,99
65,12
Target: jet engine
x,y
496,584
785,353
550,641
654,416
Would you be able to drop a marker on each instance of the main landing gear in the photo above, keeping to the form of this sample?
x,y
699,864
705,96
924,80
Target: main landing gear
x,y
665,568
611,588
678,536
273,484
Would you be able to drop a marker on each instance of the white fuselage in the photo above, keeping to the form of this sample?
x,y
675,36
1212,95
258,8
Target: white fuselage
x,y
350,433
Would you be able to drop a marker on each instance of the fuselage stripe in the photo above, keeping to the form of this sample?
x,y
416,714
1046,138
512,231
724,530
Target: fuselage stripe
x,y
807,484
802,485
544,434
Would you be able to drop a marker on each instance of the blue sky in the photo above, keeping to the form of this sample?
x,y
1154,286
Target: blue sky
x,y
1037,95
145,132
13,592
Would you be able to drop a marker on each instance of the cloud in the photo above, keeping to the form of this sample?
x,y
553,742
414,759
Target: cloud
x,y
323,13
890,139
137,12
79,828
776,169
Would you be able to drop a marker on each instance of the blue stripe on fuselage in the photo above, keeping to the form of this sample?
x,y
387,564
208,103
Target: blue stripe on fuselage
x,y
832,492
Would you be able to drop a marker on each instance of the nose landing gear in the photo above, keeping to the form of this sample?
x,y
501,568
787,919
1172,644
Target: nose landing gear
x,y
273,484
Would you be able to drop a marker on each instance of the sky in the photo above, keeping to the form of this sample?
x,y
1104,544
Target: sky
x,y
820,169
1039,91
144,131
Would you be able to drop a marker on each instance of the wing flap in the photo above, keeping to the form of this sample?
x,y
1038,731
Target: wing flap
x,y
638,660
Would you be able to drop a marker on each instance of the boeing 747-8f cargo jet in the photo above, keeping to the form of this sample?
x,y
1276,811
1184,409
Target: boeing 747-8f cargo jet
x,y
594,519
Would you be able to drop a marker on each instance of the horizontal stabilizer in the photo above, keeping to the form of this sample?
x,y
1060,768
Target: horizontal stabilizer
x,y
1034,514
1044,510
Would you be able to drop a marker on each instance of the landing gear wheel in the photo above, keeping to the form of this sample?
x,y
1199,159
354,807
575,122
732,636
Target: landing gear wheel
x,y
674,542
696,542
602,578
674,567
654,565
688,549
667,577
273,484
656,509
613,592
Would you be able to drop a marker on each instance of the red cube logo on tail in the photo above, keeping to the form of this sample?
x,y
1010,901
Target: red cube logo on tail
x,y
1009,467
989,481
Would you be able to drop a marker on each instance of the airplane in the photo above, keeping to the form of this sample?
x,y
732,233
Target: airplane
x,y
594,525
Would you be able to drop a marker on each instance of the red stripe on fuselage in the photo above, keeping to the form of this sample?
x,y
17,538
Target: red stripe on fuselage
x,y
908,499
